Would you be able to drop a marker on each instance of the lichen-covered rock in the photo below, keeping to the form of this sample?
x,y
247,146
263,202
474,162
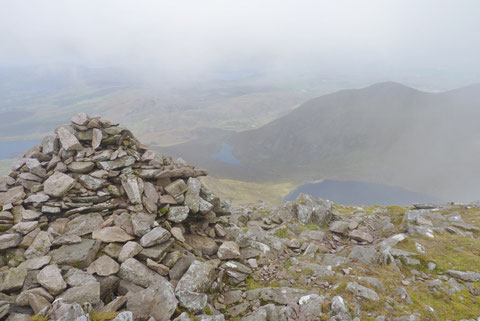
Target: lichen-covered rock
x,y
104,266
58,184
137,273
198,277
12,279
87,293
50,277
157,301
112,234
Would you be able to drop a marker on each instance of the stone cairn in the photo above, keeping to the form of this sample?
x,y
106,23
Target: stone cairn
x,y
93,221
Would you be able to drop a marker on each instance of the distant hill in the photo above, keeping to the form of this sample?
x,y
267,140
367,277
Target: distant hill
x,y
386,133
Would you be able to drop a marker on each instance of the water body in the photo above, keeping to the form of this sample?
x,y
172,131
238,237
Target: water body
x,y
225,154
361,193
16,149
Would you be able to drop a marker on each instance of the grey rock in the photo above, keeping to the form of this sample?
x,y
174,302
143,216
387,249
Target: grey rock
x,y
142,223
364,254
31,214
40,246
75,277
129,250
198,277
259,315
51,279
25,227
468,276
205,244
96,138
131,187
192,196
157,301
339,227
112,234
49,145
137,273
62,311
84,224
156,236
66,240
278,295
182,317
361,236
311,306
4,308
37,198
35,263
176,188
89,292
334,260
81,167
151,192
411,317
178,214
156,252
372,282
116,164
12,279
180,267
311,210
18,317
91,183
338,305
103,266
13,195
79,255
192,301
58,184
51,210
9,240
68,140
228,250
80,119
362,291
22,298
206,317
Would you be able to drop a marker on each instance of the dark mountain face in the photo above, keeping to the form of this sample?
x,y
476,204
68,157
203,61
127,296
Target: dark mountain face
x,y
386,133
361,193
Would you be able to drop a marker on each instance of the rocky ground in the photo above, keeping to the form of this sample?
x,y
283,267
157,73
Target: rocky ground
x,y
95,226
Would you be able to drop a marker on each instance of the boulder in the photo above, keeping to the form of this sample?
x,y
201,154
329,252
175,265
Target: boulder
x,y
112,234
157,301
50,278
58,184
87,293
104,266
12,279
198,277
156,236
135,272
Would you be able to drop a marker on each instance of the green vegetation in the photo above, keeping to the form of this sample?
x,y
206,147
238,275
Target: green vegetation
x,y
38,317
102,316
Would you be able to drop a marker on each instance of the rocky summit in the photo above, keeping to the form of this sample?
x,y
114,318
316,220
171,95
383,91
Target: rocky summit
x,y
96,226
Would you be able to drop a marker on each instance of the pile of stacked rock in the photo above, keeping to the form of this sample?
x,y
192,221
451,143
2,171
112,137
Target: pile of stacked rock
x,y
92,220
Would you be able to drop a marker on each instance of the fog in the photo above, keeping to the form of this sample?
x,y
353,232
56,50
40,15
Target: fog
x,y
388,39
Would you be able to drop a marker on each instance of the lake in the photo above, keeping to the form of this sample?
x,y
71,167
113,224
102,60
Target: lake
x,y
361,193
225,154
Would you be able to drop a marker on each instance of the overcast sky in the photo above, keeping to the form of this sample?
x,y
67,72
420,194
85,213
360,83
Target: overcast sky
x,y
192,36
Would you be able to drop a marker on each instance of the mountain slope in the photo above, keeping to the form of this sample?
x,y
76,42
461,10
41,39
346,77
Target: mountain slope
x,y
385,133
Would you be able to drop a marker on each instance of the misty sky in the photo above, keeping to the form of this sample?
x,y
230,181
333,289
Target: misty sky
x,y
196,36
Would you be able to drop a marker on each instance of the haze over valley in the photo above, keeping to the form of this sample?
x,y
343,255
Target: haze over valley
x,y
271,105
